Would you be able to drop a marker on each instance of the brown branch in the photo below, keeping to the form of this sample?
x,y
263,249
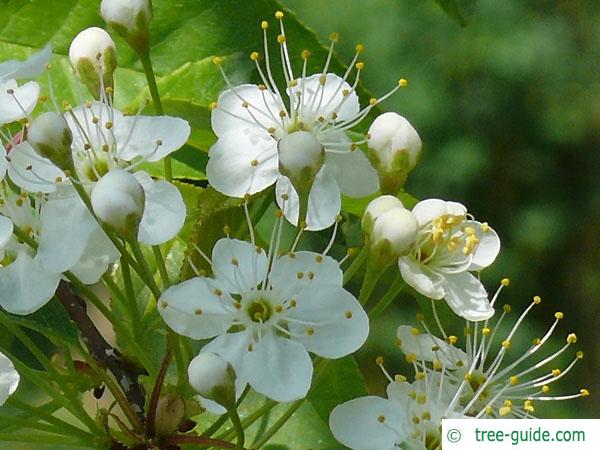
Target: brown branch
x,y
151,415
101,350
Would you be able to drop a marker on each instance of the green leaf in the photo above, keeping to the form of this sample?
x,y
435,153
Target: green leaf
x,y
357,206
460,11
51,321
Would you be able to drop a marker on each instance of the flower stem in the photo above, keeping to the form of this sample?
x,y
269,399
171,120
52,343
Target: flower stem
x,y
389,296
151,79
146,274
357,263
162,269
155,397
369,281
131,301
237,425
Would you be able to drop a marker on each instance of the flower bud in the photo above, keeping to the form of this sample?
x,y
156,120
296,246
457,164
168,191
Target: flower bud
x,y
118,201
394,150
130,19
94,58
50,136
213,378
394,233
301,156
377,207
170,412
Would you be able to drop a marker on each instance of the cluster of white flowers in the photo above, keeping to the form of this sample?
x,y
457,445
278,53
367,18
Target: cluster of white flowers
x,y
73,196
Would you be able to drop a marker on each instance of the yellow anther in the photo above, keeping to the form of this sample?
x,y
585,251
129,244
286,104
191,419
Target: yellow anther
x,y
293,303
95,120
105,148
402,82
226,230
348,314
537,299
489,410
506,308
486,331
426,415
381,419
468,376
537,341
545,389
109,90
254,56
373,102
282,114
485,228
398,342
254,163
415,331
310,331
359,65
218,292
421,399
322,81
505,410
319,258
281,38
506,344
437,365
420,376
235,262
452,339
300,275
514,380
335,37
278,15
470,231
217,60
571,338
250,347
416,420
584,392
558,315
292,83
264,24
528,406
198,312
271,130
278,308
420,317
278,213
411,358
305,55
379,360
359,48
579,355
212,106
164,304
556,372
399,379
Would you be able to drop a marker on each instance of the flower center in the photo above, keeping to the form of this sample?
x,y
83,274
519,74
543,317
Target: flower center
x,y
259,310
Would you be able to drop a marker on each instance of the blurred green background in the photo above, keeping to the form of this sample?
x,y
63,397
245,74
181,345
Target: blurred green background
x,y
508,109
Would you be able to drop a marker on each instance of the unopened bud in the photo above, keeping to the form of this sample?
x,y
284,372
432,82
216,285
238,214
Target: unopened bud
x,y
213,378
50,136
394,233
130,19
376,208
394,149
94,58
118,201
170,413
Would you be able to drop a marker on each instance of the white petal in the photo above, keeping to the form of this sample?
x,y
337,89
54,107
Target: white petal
x,y
164,210
151,137
193,309
427,210
99,253
357,425
420,278
30,68
316,270
422,345
3,162
320,99
20,103
238,266
353,172
81,123
259,104
6,230
467,297
25,286
279,368
324,201
488,248
9,378
32,172
66,227
243,161
341,326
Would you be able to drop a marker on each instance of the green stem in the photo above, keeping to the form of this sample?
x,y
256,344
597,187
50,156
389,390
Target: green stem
x,y
29,345
174,341
221,420
146,273
370,280
389,296
162,269
43,439
237,425
131,303
357,263
151,79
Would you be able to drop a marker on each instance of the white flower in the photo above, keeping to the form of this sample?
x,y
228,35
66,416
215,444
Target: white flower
x,y
256,125
130,19
9,378
17,102
450,245
105,140
266,313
